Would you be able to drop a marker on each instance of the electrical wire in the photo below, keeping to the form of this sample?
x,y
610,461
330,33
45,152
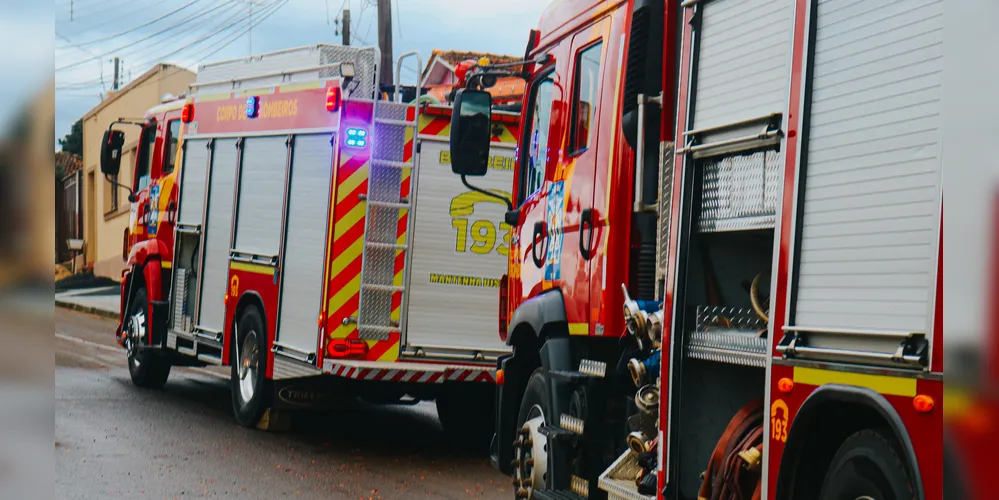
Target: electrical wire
x,y
229,16
277,7
143,39
263,15
143,25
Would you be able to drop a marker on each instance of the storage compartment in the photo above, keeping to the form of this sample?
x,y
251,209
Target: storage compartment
x,y
185,277
710,394
722,321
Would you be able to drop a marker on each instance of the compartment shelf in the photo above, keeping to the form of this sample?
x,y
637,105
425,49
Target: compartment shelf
x,y
728,335
619,479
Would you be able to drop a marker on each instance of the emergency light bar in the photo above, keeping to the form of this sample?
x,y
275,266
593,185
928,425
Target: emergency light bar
x,y
357,137
252,106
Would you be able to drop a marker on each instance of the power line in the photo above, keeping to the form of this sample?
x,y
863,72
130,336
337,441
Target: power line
x,y
276,7
273,8
143,25
215,29
135,42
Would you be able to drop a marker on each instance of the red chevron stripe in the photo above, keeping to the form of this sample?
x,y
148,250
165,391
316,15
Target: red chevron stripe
x,y
352,200
348,239
383,346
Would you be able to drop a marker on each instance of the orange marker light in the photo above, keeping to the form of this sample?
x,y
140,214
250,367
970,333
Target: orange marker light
x,y
785,385
922,403
499,377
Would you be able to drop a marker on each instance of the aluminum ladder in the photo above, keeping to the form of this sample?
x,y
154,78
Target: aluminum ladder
x,y
384,208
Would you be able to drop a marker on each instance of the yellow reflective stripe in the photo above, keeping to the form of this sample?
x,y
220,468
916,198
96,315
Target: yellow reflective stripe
x,y
579,329
350,183
882,384
251,268
166,264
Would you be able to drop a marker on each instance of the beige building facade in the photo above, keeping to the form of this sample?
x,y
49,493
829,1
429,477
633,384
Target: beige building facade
x,y
106,206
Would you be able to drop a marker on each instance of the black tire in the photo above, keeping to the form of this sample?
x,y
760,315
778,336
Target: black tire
x,y
867,465
467,413
536,393
249,410
148,369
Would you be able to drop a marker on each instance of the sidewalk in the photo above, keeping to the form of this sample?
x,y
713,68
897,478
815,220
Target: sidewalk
x,y
102,301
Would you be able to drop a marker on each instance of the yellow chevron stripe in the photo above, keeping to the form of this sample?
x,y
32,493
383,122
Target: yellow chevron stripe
x,y
341,296
349,255
392,354
341,331
251,268
350,183
883,384
349,220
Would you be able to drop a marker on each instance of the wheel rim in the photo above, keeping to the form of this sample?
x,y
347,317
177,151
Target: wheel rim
x,y
135,332
248,366
531,453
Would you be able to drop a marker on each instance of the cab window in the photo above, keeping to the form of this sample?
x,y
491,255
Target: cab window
x,y
173,132
536,153
585,96
143,166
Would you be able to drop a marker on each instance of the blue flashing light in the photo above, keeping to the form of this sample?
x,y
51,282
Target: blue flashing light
x,y
252,106
356,137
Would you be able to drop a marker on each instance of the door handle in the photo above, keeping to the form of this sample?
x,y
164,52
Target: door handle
x,y
586,237
539,232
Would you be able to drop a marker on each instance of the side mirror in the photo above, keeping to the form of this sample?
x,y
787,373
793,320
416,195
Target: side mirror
x,y
111,146
470,132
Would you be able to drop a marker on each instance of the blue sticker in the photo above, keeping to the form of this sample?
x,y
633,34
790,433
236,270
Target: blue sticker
x,y
152,218
554,217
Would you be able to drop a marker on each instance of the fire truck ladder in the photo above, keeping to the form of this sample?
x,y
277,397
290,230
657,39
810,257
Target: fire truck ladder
x,y
385,207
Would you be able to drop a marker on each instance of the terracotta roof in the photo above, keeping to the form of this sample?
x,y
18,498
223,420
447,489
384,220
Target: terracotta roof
x,y
112,96
68,161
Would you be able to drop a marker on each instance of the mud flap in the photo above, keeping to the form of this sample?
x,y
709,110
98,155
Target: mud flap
x,y
160,318
274,421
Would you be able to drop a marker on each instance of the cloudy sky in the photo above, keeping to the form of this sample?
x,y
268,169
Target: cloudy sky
x,y
89,33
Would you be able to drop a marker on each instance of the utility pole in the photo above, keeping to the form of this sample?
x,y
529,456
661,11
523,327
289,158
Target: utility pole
x,y
117,73
385,40
249,29
346,26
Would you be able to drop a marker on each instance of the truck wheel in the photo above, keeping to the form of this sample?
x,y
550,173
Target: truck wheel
x,y
530,448
148,369
867,465
467,413
248,352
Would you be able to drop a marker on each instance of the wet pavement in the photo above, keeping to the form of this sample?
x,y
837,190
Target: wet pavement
x,y
114,440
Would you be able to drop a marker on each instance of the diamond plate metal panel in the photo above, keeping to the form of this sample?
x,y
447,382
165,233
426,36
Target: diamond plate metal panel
x,y
730,335
665,212
388,142
365,67
740,192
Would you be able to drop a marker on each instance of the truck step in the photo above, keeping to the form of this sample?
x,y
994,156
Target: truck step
x,y
593,368
375,162
383,288
557,495
398,123
557,432
571,424
396,246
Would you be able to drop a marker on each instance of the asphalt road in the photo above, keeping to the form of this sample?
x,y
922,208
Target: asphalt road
x,y
114,440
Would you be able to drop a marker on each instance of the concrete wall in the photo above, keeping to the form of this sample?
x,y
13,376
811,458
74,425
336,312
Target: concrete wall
x,y
104,220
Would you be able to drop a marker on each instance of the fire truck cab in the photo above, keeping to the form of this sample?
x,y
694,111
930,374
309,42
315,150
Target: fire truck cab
x,y
758,187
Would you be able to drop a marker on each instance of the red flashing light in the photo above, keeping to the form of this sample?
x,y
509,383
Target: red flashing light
x,y
334,97
344,348
187,113
461,70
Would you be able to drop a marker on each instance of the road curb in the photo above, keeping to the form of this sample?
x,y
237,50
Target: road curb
x,y
86,309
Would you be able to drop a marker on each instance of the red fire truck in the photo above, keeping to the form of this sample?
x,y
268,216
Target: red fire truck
x,y
295,222
758,185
